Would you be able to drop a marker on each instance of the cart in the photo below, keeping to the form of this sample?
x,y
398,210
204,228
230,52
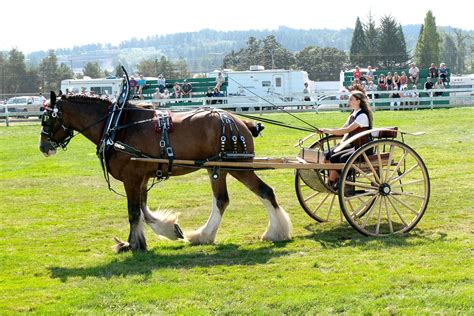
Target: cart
x,y
383,188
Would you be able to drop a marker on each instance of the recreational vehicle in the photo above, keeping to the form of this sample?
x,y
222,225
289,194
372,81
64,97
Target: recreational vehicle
x,y
109,87
466,96
259,86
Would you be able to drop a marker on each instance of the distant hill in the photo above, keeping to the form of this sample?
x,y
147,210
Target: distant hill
x,y
205,49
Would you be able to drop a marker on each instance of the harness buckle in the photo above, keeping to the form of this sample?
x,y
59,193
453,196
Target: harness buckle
x,y
169,152
162,143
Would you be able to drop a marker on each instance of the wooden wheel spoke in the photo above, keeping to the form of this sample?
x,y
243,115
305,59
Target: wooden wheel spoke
x,y
410,194
404,204
397,211
362,209
379,217
389,219
312,196
371,167
365,175
362,185
402,159
390,156
321,203
404,174
371,211
330,206
358,196
379,160
402,185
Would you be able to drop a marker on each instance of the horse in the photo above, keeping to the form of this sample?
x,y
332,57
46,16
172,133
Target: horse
x,y
195,136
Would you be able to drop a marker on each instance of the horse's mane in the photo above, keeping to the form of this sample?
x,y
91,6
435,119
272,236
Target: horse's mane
x,y
87,99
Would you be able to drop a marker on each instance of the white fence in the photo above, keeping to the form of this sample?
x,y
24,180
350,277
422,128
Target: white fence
x,y
321,101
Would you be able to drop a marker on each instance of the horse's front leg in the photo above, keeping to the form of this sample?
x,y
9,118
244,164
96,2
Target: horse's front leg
x,y
136,238
163,223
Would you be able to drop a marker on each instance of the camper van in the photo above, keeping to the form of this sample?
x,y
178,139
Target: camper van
x,y
100,87
462,82
258,85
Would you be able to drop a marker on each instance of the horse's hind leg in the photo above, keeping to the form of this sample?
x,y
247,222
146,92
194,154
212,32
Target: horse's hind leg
x,y
207,234
163,223
279,226
136,238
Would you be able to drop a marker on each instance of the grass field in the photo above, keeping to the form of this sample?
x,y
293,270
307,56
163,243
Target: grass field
x,y
58,220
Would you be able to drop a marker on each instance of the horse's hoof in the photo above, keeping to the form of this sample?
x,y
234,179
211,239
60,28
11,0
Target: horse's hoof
x,y
121,246
178,231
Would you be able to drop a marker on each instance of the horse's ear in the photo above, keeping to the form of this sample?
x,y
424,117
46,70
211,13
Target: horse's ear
x,y
60,93
52,99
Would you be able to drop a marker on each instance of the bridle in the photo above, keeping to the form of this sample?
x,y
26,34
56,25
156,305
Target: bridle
x,y
50,116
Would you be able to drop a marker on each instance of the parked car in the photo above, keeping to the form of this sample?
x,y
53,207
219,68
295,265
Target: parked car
x,y
22,104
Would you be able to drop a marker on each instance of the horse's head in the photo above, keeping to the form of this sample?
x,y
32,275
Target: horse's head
x,y
54,133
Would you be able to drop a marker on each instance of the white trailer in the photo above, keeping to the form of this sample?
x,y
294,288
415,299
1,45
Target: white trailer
x,y
257,85
109,87
464,96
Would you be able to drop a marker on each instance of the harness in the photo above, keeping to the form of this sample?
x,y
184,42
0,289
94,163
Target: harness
x,y
164,125
364,139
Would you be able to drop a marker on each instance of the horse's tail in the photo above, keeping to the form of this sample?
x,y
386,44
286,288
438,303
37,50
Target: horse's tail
x,y
255,128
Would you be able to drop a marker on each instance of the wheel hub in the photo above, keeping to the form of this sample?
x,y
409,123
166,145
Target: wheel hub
x,y
385,189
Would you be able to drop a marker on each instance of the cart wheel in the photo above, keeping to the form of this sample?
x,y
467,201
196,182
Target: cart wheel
x,y
384,188
316,197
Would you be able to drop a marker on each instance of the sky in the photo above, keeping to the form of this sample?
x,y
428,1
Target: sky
x,y
40,25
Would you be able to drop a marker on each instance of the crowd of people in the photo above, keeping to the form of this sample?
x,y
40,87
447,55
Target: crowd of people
x,y
403,85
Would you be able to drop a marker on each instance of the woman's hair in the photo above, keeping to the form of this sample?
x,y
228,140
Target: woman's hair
x,y
364,104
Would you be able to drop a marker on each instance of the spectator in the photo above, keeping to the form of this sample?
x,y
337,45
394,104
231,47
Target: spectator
x,y
429,86
403,80
433,71
370,74
395,95
389,81
42,99
83,91
414,94
161,83
219,80
370,89
209,94
187,89
443,72
414,73
177,90
216,94
156,97
396,81
439,85
357,74
405,94
133,85
306,92
141,85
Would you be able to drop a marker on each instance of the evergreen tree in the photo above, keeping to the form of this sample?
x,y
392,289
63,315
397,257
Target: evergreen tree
x,y
449,53
358,52
461,49
371,36
428,50
48,72
274,56
15,71
392,46
3,62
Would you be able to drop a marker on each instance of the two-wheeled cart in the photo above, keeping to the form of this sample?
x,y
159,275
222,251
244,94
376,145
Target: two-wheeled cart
x,y
383,188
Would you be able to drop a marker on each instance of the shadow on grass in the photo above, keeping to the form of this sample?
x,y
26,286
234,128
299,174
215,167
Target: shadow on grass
x,y
346,236
144,263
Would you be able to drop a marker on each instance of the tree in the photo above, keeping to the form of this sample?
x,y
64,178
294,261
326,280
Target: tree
x,y
275,56
372,45
15,71
358,50
48,72
93,70
392,46
461,48
181,69
449,53
322,64
147,67
428,50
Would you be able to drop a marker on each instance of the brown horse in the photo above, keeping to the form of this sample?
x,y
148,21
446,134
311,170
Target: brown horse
x,y
195,136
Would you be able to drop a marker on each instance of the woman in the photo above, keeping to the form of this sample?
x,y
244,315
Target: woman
x,y
359,121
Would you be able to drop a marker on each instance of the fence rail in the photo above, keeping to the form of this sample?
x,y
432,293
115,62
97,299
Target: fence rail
x,y
426,99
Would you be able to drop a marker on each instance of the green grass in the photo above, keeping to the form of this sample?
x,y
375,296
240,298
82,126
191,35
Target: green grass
x,y
58,218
